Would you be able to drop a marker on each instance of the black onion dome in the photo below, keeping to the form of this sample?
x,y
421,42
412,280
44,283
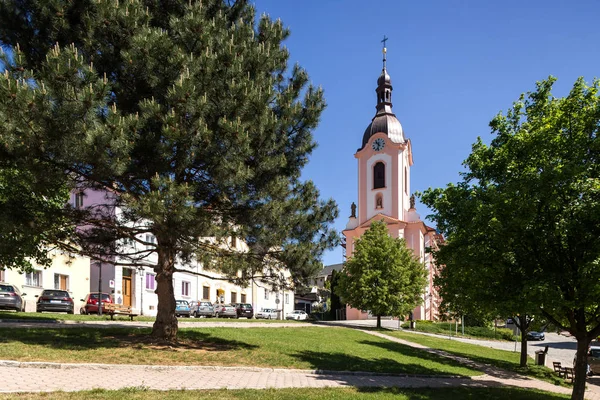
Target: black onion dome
x,y
385,120
386,123
384,78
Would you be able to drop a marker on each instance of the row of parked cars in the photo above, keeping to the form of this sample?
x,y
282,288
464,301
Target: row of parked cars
x,y
207,309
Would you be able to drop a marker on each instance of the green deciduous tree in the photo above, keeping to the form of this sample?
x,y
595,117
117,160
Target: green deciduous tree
x,y
535,191
383,275
186,115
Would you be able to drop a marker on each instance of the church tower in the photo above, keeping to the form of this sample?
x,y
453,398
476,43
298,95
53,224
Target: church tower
x,y
384,162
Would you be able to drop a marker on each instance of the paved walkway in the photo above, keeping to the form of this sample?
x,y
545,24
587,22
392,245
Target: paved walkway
x,y
44,377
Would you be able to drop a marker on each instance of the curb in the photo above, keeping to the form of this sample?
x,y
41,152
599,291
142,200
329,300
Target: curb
x,y
50,365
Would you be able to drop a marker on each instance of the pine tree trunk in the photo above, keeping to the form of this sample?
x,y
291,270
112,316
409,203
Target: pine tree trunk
x,y
165,327
378,321
580,368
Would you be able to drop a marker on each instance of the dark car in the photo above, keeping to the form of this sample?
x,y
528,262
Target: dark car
x,y
202,308
535,335
54,300
90,303
182,308
11,298
244,310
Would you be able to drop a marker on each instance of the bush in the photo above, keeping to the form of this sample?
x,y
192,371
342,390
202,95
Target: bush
x,y
449,329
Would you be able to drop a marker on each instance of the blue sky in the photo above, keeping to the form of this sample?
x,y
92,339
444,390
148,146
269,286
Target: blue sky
x,y
454,65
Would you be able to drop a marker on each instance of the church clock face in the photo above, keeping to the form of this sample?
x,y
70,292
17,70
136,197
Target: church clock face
x,y
378,144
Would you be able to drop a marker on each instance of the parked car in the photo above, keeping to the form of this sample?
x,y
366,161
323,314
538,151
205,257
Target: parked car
x,y
297,315
533,335
11,298
244,310
90,303
54,300
225,311
593,360
202,309
267,313
182,308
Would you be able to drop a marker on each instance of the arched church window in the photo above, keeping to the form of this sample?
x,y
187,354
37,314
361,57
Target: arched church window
x,y
379,175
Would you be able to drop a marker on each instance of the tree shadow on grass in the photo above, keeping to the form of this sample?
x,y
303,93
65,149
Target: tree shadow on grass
x,y
115,338
494,392
348,362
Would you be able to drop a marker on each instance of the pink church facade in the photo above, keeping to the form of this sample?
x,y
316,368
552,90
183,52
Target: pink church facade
x,y
384,162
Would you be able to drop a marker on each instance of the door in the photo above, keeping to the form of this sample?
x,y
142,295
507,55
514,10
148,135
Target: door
x,y
127,291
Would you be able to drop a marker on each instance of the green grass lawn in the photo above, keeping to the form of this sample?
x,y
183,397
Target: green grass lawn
x,y
450,393
58,317
507,360
450,329
303,348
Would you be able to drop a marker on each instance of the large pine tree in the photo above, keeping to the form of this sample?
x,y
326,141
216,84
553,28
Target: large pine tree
x,y
186,114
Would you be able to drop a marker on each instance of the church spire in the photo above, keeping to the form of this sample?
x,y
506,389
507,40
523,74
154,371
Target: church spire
x,y
384,86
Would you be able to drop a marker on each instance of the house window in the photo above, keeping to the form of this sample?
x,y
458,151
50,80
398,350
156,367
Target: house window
x,y
233,297
243,298
33,278
379,175
266,294
61,282
2,277
233,242
151,241
185,288
150,281
79,199
287,298
205,292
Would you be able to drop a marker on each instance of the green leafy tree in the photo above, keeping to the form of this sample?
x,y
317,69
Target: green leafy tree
x,y
186,115
336,302
483,273
540,181
383,275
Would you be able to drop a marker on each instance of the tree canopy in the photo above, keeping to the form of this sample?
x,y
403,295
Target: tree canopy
x,y
534,197
383,275
186,114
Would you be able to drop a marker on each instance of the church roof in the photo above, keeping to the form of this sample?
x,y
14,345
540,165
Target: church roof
x,y
385,120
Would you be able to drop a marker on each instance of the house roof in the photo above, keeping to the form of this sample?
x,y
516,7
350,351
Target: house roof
x,y
328,269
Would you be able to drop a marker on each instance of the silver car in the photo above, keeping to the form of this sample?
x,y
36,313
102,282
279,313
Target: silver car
x,y
267,313
202,308
225,311
11,298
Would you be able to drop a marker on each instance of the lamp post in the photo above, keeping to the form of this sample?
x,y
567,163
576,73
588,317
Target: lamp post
x,y
99,289
141,272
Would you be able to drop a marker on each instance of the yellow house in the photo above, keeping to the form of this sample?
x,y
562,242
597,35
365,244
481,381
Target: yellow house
x,y
70,274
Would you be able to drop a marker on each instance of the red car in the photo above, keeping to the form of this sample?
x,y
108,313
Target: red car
x,y
90,303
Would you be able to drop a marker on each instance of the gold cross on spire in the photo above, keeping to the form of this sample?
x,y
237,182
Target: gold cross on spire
x,y
385,39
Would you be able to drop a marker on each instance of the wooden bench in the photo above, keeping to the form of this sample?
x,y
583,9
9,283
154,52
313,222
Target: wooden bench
x,y
118,309
557,367
567,373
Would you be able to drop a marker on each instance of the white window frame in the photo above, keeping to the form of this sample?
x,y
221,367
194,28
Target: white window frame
x,y
186,287
2,274
287,298
79,200
266,294
30,281
57,282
